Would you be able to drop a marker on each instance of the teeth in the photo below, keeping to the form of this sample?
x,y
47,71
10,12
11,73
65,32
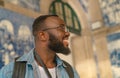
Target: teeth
x,y
65,42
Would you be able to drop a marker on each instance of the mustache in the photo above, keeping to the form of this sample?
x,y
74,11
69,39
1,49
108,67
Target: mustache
x,y
65,37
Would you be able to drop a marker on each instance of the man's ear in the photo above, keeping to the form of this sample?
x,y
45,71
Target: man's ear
x,y
42,36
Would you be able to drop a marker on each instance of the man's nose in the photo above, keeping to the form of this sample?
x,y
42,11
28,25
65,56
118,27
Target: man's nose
x,y
67,34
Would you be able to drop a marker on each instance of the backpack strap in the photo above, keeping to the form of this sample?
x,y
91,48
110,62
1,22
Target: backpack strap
x,y
69,69
19,69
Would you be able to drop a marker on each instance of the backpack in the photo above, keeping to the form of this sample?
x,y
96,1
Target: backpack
x,y
20,69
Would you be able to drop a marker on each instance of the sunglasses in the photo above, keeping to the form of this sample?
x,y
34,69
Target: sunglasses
x,y
61,27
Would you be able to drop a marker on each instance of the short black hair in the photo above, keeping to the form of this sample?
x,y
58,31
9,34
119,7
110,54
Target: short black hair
x,y
39,23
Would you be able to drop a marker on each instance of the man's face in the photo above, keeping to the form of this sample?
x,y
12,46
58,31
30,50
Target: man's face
x,y
58,46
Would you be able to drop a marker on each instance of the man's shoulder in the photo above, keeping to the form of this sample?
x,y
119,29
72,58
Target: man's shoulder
x,y
6,70
70,70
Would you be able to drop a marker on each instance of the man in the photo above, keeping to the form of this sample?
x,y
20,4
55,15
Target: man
x,y
51,37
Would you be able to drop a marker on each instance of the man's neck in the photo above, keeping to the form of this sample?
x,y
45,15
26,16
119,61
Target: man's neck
x,y
47,57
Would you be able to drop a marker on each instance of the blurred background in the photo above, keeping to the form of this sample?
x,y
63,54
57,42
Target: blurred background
x,y
94,26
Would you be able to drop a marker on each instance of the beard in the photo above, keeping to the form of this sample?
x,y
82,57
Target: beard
x,y
57,46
